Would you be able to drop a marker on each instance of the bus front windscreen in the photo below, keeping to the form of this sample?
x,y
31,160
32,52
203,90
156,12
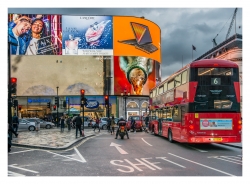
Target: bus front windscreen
x,y
215,90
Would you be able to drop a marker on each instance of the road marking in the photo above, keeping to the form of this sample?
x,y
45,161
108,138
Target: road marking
x,y
202,165
164,158
10,173
197,149
21,151
79,154
22,168
235,159
65,156
229,161
146,142
118,148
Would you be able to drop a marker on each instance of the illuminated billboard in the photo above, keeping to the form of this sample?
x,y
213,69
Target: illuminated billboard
x,y
41,75
30,34
135,74
87,35
134,36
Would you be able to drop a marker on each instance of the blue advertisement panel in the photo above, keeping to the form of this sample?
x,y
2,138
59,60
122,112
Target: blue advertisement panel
x,y
87,35
216,124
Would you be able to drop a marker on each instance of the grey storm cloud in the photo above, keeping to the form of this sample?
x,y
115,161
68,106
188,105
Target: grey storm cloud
x,y
180,28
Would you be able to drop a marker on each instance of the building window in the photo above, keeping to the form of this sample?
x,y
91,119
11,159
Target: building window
x,y
132,105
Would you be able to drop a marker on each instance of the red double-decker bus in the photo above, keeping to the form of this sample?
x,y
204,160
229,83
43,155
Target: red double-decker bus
x,y
200,103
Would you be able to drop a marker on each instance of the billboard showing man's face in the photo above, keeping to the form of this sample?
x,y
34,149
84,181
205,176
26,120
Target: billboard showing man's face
x,y
87,35
41,75
135,74
30,34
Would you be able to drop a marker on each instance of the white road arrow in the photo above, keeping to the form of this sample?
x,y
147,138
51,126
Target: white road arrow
x,y
118,148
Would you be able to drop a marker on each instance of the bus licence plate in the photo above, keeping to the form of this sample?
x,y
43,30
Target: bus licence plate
x,y
216,139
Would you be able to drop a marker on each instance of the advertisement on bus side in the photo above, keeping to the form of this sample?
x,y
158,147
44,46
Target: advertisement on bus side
x,y
216,124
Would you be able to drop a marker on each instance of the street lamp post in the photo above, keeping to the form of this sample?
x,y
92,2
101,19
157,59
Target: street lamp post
x,y
57,107
9,83
125,94
108,86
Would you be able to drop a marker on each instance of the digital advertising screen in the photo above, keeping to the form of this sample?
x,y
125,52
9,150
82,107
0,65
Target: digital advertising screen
x,y
134,36
30,34
41,75
135,74
87,35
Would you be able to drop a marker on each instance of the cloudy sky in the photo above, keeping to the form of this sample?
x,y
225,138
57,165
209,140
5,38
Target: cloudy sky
x,y
180,28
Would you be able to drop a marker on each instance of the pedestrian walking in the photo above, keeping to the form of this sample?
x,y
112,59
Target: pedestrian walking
x,y
15,122
97,121
112,125
133,125
62,123
78,123
68,121
109,124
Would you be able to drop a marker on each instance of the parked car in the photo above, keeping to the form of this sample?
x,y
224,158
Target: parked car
x,y
103,122
25,124
43,124
138,123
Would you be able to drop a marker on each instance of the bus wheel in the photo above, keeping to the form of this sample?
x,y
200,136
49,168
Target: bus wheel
x,y
170,136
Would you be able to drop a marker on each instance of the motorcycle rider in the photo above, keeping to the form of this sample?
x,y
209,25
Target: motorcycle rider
x,y
121,119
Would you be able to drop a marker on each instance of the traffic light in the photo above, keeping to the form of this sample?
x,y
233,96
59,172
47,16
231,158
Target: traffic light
x,y
106,98
48,105
13,85
15,104
83,99
64,103
54,107
57,101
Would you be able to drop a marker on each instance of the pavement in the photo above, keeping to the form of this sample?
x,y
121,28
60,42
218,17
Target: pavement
x,y
51,139
54,139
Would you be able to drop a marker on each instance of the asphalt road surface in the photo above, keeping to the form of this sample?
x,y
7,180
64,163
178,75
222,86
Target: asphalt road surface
x,y
141,155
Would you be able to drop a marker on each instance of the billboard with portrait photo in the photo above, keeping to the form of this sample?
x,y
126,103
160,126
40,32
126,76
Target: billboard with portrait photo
x,y
41,75
135,74
87,35
31,34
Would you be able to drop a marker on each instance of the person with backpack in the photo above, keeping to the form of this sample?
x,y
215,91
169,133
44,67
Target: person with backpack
x,y
78,123
112,131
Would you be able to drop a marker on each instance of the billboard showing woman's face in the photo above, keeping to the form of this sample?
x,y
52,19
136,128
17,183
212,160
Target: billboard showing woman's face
x,y
35,34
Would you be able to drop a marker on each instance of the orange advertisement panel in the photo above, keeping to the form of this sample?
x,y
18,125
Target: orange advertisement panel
x,y
135,74
134,36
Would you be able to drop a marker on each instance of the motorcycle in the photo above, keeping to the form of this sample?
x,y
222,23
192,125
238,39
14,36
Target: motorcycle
x,y
122,129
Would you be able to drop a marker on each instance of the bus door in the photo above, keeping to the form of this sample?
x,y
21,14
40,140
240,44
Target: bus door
x,y
160,122
184,132
176,116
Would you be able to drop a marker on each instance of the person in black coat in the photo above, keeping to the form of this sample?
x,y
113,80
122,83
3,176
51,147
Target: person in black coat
x,y
78,123
121,119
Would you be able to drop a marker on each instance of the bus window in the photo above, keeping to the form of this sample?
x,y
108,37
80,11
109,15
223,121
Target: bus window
x,y
165,86
175,111
164,114
154,92
161,90
177,80
170,85
184,77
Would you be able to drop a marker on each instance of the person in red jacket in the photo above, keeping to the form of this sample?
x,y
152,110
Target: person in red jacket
x,y
97,124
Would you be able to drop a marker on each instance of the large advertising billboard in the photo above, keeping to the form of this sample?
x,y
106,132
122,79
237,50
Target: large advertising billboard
x,y
135,74
134,36
87,35
41,75
30,34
